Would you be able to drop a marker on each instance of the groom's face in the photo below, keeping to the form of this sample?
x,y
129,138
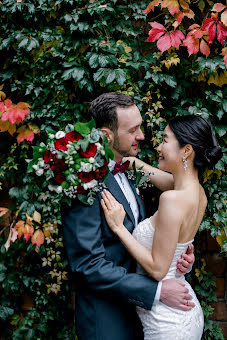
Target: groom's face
x,y
126,139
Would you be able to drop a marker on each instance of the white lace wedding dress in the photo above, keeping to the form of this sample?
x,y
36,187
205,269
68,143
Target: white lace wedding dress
x,y
164,322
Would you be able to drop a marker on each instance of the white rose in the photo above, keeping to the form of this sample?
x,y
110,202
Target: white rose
x,y
35,167
58,189
51,136
91,184
86,167
41,163
39,172
51,187
60,134
91,160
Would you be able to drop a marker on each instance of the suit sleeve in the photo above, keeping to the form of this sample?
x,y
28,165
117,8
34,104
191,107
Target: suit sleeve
x,y
86,253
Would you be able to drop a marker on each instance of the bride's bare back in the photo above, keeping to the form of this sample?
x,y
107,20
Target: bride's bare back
x,y
190,204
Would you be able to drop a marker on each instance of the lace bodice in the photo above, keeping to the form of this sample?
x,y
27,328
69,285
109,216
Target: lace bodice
x,y
144,233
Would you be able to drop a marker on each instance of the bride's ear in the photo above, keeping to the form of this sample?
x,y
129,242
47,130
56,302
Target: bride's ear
x,y
188,151
109,134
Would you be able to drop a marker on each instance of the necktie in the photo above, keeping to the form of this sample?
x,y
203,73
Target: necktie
x,y
120,167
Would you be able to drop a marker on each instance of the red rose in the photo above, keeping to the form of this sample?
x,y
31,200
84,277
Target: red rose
x,y
61,144
81,190
58,166
86,176
71,136
47,156
100,173
60,178
90,151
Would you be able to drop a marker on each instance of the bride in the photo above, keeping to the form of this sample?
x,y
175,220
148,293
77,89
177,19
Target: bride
x,y
157,242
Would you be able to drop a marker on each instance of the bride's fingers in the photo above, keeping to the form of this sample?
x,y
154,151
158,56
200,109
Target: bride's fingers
x,y
106,200
110,199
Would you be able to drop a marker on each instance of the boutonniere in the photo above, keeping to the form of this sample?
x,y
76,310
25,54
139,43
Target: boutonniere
x,y
139,177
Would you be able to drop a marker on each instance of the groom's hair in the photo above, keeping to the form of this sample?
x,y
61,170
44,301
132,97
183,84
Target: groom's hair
x,y
103,109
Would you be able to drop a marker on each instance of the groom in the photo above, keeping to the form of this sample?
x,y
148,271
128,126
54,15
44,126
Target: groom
x,y
108,289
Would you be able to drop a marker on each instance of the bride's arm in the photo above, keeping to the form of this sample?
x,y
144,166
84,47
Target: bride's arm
x,y
161,179
168,221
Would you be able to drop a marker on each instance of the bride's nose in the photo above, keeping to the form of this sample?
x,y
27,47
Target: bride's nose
x,y
159,148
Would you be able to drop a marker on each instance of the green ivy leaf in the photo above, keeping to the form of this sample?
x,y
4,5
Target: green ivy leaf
x,y
120,76
5,312
76,73
110,76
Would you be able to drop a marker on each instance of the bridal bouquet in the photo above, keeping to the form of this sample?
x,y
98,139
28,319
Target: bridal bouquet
x,y
73,162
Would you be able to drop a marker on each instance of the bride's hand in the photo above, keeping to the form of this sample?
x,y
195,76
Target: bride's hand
x,y
113,210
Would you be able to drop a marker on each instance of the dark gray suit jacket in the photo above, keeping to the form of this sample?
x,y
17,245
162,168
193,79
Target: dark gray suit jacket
x,y
107,286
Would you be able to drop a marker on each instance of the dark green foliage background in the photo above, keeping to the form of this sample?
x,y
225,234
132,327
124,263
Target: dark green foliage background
x,y
58,56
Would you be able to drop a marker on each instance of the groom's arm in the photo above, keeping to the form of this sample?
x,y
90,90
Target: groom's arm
x,y
83,239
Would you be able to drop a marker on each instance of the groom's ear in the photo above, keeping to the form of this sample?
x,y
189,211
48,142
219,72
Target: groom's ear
x,y
109,134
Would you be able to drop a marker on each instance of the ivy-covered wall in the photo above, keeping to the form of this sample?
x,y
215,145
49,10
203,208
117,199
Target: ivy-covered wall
x,y
59,55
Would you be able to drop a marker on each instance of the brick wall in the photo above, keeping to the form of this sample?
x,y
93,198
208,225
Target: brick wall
x,y
216,264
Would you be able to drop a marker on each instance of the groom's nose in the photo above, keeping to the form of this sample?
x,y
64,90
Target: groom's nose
x,y
140,135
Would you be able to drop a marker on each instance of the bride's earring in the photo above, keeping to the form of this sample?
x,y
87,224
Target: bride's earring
x,y
185,163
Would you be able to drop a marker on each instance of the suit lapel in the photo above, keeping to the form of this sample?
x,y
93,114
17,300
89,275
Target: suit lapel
x,y
139,201
116,191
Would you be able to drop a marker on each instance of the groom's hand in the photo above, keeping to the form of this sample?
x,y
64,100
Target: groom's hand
x,y
176,295
185,263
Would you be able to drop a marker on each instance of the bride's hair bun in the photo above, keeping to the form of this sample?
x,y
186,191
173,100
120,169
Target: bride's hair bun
x,y
212,155
198,132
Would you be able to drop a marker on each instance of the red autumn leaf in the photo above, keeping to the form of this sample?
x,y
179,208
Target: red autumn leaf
x,y
218,7
28,231
24,134
172,5
224,18
13,113
151,6
221,33
19,226
3,211
214,26
164,43
164,38
192,41
224,53
38,238
7,126
11,238
176,38
204,48
192,44
156,32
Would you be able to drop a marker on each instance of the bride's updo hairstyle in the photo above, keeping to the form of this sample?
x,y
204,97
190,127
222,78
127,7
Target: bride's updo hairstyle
x,y
197,132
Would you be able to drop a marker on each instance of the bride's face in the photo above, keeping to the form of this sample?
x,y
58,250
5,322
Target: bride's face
x,y
170,155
